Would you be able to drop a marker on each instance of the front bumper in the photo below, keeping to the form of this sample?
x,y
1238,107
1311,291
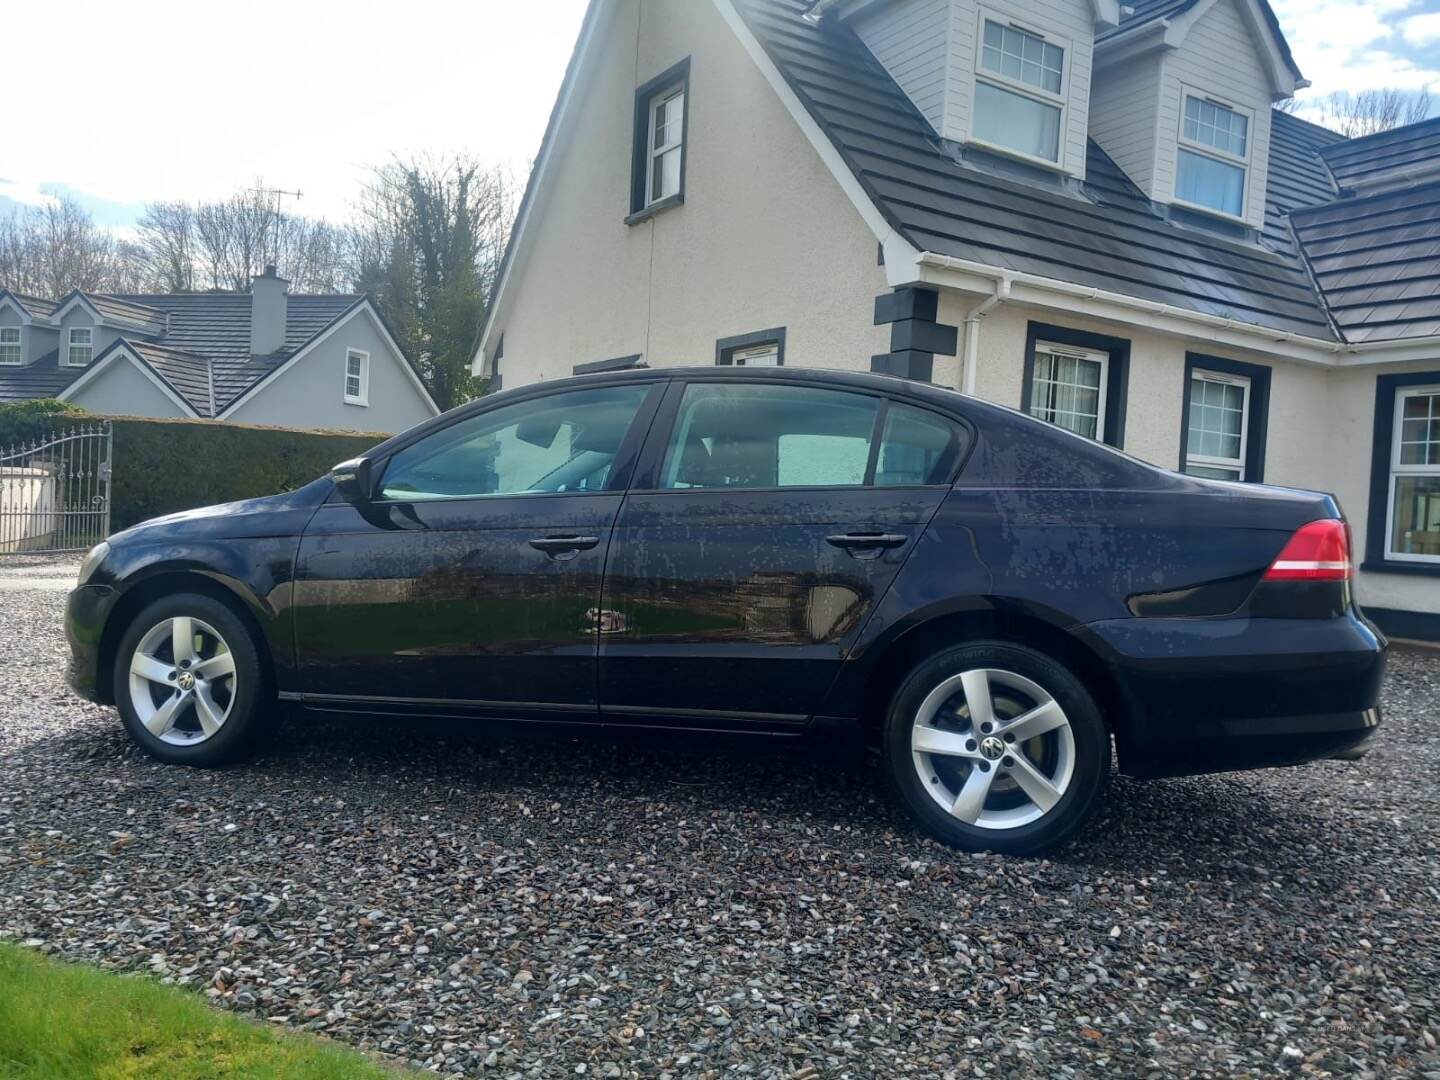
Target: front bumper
x,y
1217,695
86,612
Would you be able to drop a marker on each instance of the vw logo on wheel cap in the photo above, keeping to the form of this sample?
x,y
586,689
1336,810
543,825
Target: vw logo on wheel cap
x,y
992,748
186,681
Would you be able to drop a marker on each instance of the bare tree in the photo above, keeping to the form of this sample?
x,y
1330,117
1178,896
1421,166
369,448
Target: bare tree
x,y
1366,112
168,245
429,238
52,249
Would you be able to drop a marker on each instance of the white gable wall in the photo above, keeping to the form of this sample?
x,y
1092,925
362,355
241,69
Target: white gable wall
x,y
311,393
122,389
912,39
761,214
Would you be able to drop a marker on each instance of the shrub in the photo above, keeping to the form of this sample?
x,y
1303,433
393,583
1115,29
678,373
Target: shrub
x,y
162,466
25,421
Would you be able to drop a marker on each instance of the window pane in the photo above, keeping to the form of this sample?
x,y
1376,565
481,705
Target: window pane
x,y
757,356
1214,125
1065,390
1205,181
565,442
1017,122
9,345
1214,472
732,436
918,448
1420,430
1024,57
666,179
1416,529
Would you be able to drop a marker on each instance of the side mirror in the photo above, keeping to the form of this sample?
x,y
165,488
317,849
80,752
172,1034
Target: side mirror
x,y
353,479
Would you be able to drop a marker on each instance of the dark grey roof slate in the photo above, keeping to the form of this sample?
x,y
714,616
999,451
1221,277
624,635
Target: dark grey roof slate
x,y
43,379
37,306
1354,161
1377,259
112,307
1112,238
187,373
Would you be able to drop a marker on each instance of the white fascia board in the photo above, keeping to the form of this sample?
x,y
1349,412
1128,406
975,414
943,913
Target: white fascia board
x,y
364,307
122,350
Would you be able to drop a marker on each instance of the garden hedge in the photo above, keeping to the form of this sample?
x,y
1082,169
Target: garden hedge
x,y
161,466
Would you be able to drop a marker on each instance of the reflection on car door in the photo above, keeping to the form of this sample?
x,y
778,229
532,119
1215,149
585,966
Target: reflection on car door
x,y
753,545
470,585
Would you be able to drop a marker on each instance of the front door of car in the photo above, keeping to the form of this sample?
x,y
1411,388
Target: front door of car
x,y
766,519
469,584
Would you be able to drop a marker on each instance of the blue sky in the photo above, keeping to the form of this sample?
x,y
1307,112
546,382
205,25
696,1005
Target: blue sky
x,y
308,93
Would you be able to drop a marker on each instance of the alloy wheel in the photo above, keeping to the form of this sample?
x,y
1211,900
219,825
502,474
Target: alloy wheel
x,y
994,749
182,681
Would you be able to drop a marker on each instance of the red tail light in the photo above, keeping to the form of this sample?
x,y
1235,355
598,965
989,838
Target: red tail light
x,y
1319,551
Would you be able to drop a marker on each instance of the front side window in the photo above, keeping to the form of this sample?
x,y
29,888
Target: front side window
x,y
1217,426
9,345
735,435
1067,388
559,443
357,377
1414,532
1019,90
80,346
1210,166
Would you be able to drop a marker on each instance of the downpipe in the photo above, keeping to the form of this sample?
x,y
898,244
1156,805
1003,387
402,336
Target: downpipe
x,y
971,351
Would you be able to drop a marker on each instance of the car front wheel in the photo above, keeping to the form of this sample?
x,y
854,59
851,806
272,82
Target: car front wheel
x,y
996,747
189,683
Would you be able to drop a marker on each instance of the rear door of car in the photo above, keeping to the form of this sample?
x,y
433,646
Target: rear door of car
x,y
469,584
767,516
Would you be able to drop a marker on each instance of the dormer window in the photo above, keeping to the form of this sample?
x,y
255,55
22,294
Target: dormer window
x,y
1019,92
80,346
9,345
1213,158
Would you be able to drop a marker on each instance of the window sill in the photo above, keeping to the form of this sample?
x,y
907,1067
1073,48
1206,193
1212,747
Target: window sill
x,y
357,404
1056,167
1398,566
658,207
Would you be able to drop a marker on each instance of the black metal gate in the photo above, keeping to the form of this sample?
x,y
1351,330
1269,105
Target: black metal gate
x,y
55,491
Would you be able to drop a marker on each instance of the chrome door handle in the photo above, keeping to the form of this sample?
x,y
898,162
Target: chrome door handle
x,y
557,545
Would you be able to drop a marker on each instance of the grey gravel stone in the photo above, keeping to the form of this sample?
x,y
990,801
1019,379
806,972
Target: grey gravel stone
x,y
592,908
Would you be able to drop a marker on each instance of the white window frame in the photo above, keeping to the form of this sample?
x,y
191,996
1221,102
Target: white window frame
x,y
18,344
1206,150
362,398
741,357
1398,470
653,153
1024,89
71,346
1054,348
1207,460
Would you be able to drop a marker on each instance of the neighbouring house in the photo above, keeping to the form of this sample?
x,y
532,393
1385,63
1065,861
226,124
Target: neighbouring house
x,y
1086,211
262,357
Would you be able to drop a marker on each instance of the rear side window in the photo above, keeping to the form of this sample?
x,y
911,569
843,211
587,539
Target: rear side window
x,y
734,435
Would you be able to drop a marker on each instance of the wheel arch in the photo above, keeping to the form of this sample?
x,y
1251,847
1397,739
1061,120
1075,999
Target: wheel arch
x,y
164,583
993,621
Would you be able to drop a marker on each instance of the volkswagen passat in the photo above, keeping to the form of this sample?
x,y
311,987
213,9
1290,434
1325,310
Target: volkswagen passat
x,y
993,601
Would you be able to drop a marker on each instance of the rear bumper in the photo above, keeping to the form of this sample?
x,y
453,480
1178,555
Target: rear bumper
x,y
1216,695
85,613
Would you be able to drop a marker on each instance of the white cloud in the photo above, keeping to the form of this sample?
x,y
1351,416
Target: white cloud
x,y
1422,29
1353,45
25,192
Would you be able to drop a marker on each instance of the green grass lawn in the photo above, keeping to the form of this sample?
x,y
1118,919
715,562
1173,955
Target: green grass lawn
x,y
62,1021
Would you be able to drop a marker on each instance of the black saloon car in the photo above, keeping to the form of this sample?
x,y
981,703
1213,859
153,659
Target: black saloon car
x,y
992,600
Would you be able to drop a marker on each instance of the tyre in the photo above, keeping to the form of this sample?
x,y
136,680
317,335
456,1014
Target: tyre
x,y
189,682
996,747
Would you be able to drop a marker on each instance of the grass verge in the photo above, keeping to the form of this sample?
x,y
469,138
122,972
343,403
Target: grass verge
x,y
62,1021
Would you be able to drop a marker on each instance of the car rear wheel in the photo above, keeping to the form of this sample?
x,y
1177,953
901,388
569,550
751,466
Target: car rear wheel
x,y
996,747
189,683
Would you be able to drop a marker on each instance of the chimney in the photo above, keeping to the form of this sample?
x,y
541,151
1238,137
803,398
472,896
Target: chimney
x,y
268,303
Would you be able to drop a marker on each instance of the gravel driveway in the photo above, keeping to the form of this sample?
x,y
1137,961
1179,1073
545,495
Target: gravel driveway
x,y
528,908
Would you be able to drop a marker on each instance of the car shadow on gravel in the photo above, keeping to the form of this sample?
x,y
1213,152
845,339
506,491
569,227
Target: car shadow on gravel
x,y
1187,826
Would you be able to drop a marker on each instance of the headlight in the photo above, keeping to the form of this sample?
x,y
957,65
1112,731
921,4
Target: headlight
x,y
92,561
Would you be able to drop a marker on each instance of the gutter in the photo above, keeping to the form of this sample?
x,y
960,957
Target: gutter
x,y
971,353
